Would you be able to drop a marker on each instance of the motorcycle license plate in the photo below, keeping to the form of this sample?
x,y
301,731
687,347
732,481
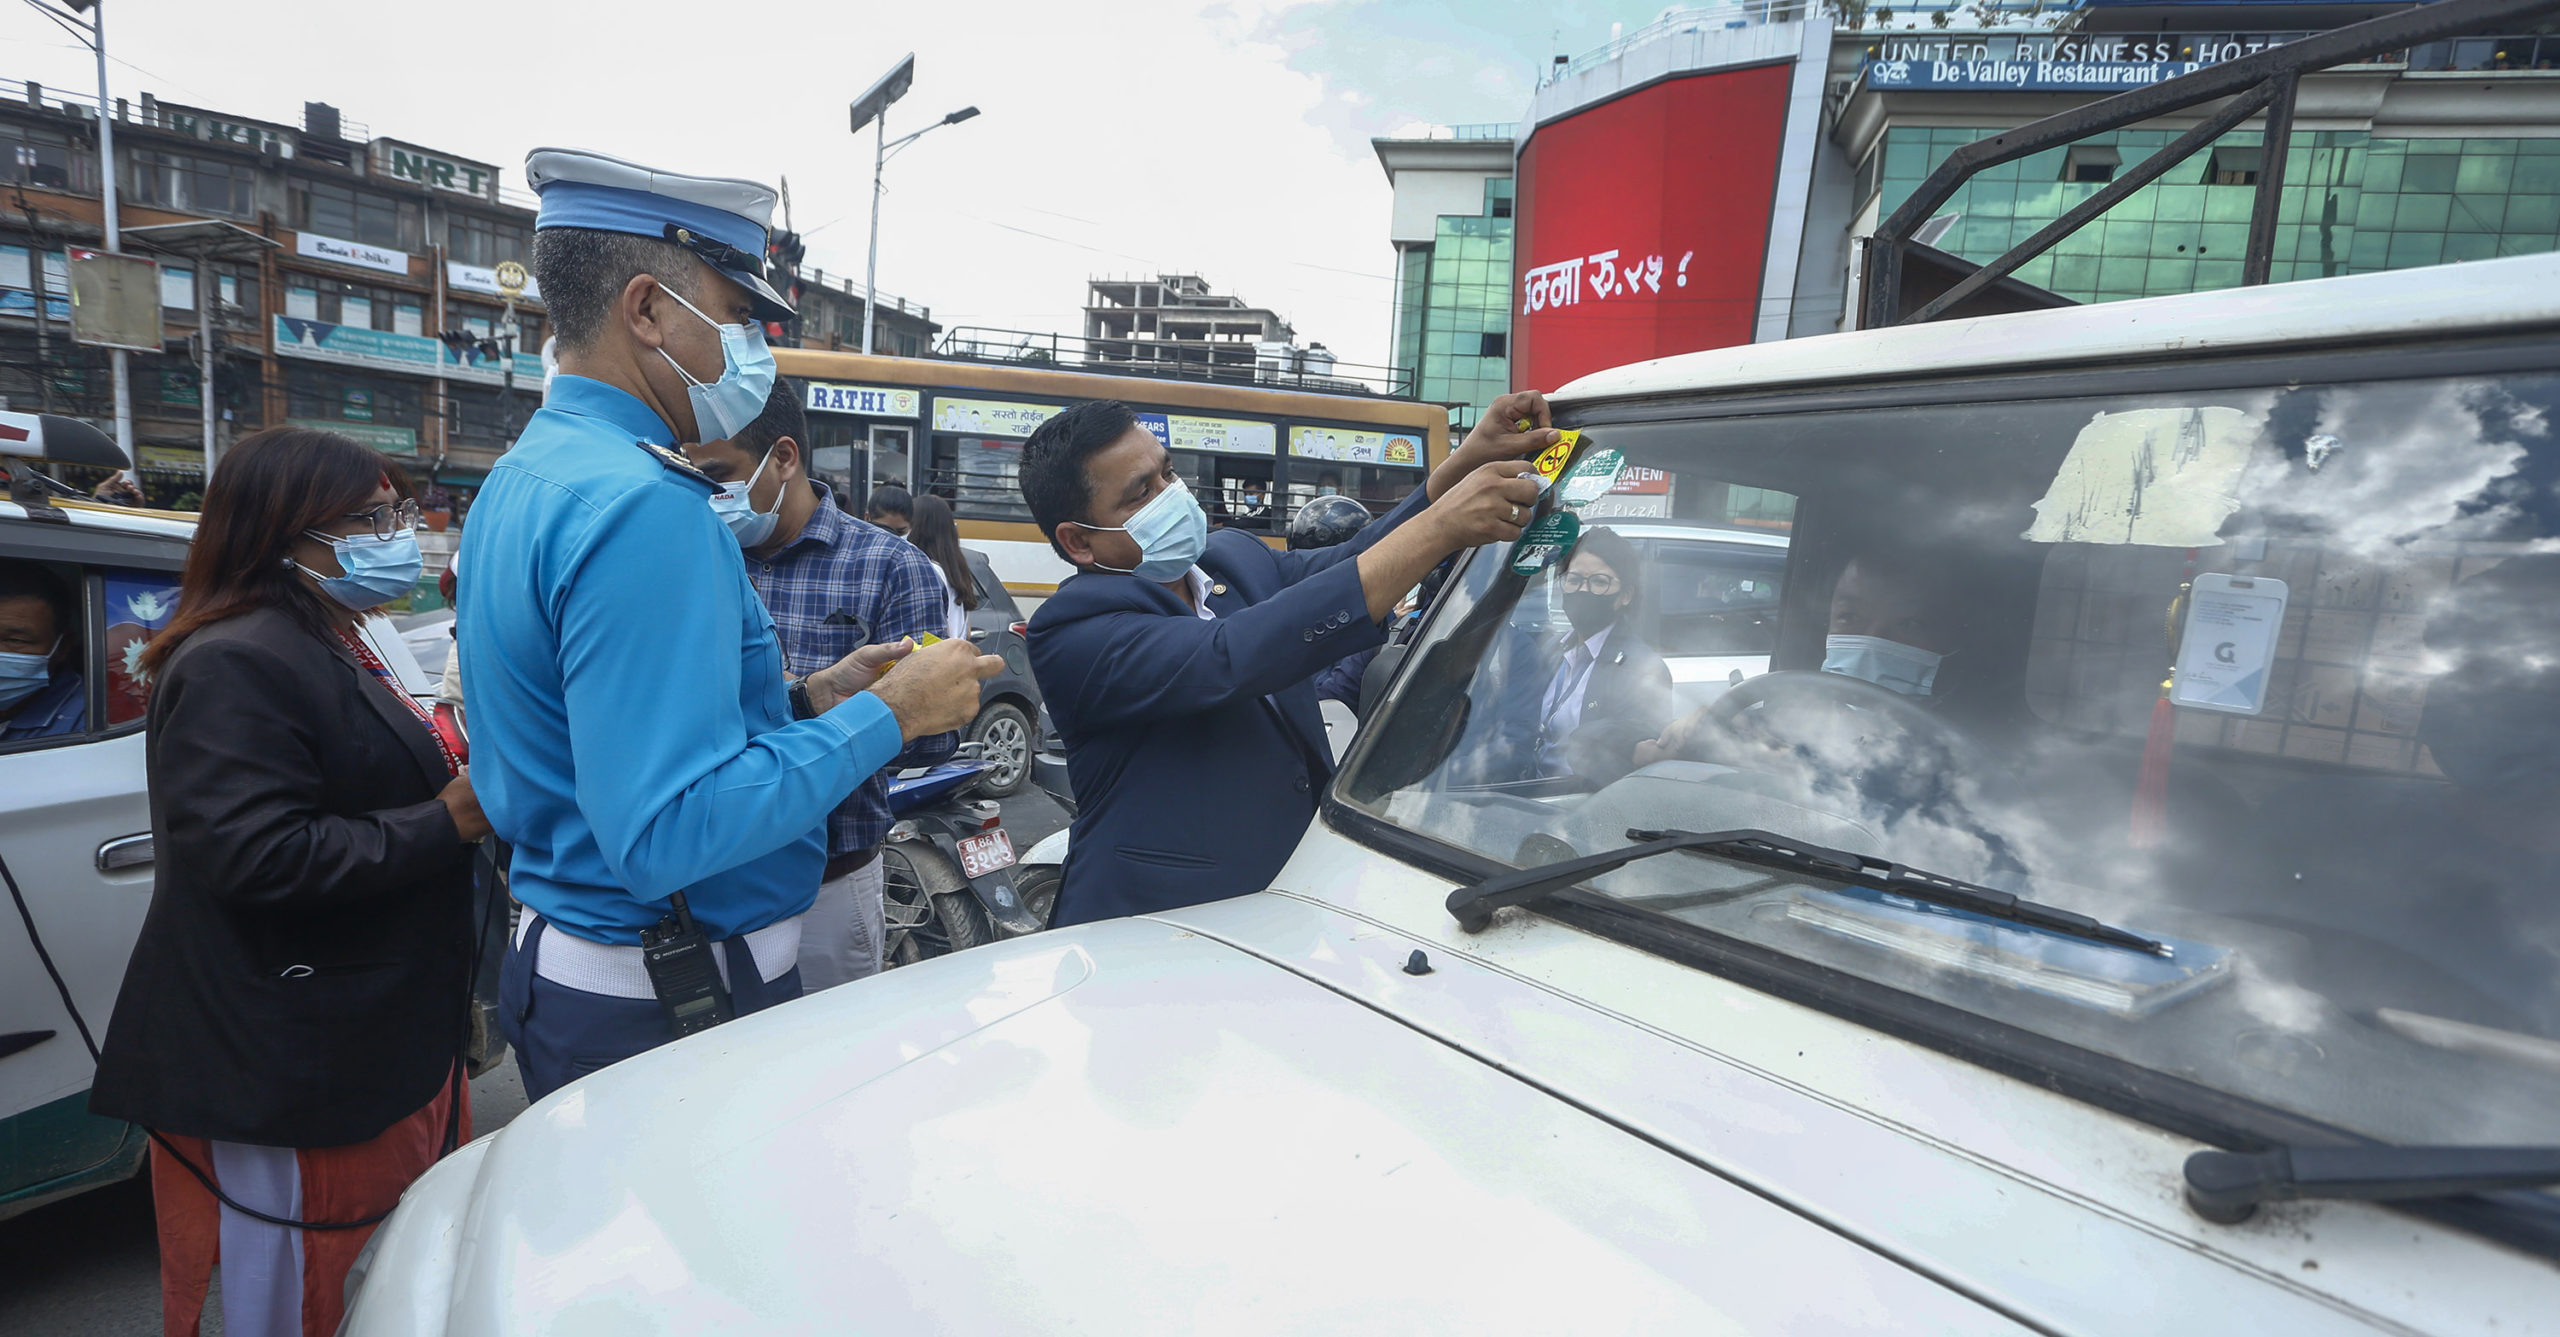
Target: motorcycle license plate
x,y
981,855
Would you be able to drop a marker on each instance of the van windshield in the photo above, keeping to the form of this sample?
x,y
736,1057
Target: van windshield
x,y
2272,676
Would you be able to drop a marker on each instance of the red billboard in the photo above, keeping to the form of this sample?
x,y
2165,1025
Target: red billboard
x,y
1643,224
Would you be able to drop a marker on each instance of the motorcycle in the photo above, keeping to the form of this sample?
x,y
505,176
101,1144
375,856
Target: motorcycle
x,y
948,867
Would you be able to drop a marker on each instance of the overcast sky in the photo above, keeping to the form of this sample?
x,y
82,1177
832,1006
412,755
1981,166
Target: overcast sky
x,y
1230,138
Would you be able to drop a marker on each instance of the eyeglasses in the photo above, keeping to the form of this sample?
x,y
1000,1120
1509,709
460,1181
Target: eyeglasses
x,y
1586,582
389,518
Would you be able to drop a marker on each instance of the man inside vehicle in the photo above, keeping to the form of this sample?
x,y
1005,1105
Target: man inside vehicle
x,y
1890,625
40,687
1177,663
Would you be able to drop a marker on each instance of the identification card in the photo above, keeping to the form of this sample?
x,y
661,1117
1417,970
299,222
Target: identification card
x,y
2227,651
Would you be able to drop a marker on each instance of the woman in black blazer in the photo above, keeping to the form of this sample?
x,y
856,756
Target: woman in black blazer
x,y
292,1020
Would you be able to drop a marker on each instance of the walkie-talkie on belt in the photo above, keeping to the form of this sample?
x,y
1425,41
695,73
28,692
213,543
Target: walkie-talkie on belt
x,y
682,972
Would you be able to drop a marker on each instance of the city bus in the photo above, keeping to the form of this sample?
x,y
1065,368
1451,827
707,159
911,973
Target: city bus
x,y
1254,453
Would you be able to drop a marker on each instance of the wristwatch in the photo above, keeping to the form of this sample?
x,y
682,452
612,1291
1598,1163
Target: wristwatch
x,y
801,707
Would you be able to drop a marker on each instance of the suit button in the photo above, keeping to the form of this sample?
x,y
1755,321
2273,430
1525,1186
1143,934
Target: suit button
x,y
1307,635
1302,784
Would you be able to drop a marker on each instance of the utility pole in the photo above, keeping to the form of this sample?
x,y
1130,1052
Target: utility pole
x,y
119,359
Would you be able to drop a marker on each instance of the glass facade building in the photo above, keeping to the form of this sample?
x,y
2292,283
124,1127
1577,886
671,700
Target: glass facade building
x,y
2353,203
1453,307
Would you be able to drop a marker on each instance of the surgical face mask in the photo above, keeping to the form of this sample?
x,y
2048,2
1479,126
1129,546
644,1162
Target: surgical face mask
x,y
1590,612
1171,532
378,570
723,408
1888,664
22,676
735,504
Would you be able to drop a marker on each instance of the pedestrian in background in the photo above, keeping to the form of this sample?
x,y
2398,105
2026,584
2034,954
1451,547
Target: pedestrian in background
x,y
933,530
641,748
833,585
292,1020
892,508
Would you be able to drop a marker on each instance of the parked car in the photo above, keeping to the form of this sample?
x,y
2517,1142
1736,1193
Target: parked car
x,y
1009,701
2029,1001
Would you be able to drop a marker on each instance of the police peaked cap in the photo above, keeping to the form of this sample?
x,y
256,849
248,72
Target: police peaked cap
x,y
722,220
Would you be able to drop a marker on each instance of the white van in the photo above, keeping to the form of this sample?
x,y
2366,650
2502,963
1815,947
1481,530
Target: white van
x,y
2042,1000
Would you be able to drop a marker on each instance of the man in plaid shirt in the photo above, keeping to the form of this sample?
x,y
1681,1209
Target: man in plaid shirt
x,y
833,583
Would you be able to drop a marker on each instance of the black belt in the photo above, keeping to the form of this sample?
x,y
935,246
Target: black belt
x,y
844,864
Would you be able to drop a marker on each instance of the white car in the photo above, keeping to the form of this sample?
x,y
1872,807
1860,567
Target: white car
x,y
75,837
2154,990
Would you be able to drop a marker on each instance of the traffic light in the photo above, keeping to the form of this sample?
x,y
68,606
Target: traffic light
x,y
783,253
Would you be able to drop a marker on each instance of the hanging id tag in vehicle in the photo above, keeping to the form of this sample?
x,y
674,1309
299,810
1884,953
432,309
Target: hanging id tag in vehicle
x,y
2227,649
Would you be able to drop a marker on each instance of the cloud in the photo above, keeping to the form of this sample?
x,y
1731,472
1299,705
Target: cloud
x,y
1146,135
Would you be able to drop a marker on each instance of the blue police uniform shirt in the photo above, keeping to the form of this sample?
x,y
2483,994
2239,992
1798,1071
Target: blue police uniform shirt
x,y
631,732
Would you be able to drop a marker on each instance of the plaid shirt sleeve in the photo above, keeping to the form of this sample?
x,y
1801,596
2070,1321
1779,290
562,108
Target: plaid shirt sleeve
x,y
911,604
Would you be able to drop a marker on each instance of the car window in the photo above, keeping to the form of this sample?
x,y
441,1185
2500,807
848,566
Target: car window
x,y
91,623
993,597
1715,598
2269,675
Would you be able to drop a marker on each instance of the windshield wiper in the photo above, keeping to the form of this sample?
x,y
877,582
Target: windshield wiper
x,y
1474,905
2226,1186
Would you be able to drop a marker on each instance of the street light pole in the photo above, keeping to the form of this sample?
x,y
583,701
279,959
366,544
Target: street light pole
x,y
870,293
871,268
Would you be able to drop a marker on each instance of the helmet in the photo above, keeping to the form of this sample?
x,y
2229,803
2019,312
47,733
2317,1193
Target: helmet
x,y
1325,522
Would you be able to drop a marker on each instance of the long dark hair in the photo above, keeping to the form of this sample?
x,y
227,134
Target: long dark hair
x,y
270,487
930,527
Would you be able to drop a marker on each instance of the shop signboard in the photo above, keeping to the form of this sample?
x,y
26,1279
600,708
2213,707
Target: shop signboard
x,y
173,459
349,346
989,417
871,401
484,278
218,128
382,437
312,245
484,369
1345,445
1674,263
2056,63
435,171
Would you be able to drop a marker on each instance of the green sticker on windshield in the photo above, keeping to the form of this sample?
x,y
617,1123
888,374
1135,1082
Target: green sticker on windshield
x,y
1545,542
1591,477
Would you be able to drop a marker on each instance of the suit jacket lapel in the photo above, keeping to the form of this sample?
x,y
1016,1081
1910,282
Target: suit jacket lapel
x,y
403,723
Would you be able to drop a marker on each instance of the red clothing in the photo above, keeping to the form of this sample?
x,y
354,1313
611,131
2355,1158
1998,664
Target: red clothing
x,y
338,1184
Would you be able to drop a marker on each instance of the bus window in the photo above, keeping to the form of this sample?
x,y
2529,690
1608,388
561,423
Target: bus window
x,y
889,456
978,476
1373,486
1239,495
835,453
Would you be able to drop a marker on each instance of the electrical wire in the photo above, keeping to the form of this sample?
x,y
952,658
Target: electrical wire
x,y
453,1109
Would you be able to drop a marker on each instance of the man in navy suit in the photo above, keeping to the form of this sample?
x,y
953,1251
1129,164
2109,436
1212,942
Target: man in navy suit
x,y
1176,662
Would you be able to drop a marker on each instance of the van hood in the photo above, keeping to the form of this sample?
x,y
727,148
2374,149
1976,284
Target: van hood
x,y
1123,1127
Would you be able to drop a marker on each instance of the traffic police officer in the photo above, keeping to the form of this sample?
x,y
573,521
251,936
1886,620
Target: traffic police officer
x,y
635,738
